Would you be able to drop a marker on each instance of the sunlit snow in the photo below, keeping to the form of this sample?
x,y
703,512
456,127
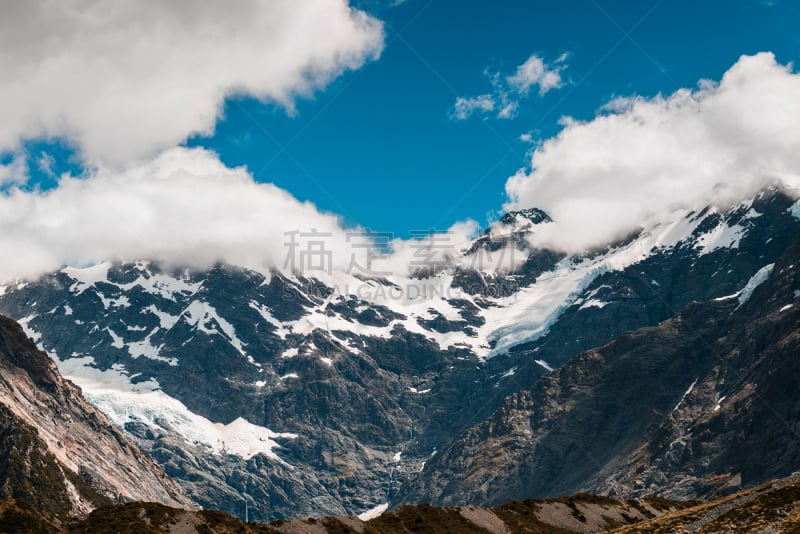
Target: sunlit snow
x,y
723,236
372,513
124,402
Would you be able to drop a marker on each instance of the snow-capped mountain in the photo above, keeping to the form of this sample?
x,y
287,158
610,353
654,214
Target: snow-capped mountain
x,y
702,405
309,396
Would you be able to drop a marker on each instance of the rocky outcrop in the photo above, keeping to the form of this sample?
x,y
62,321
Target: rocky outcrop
x,y
59,453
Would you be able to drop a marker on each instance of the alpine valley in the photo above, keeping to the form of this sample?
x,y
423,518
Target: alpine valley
x,y
663,364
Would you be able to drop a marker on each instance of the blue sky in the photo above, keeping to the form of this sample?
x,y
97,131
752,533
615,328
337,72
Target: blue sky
x,y
379,146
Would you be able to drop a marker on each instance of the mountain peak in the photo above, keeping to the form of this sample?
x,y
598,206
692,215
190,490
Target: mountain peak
x,y
533,215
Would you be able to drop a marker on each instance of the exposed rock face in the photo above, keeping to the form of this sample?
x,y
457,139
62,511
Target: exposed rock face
x,y
59,453
303,398
703,404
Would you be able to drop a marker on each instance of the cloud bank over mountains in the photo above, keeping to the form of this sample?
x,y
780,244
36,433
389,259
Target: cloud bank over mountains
x,y
124,80
184,207
641,159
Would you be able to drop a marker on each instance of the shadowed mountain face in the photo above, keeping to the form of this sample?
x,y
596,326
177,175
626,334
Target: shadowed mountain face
x,y
58,453
302,399
700,405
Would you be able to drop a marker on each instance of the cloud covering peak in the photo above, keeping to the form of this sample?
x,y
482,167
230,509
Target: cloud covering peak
x,y
641,159
125,80
183,207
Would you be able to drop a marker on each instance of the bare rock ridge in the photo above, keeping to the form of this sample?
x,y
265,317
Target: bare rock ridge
x,y
60,453
770,507
565,515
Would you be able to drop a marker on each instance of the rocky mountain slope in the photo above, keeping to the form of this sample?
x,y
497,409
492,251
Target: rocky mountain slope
x,y
324,395
59,453
700,405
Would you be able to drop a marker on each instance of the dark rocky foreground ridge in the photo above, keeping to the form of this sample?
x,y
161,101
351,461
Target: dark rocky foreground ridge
x,y
364,395
565,515
770,507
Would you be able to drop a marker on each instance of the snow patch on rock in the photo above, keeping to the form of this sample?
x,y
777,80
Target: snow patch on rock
x,y
372,513
124,402
723,236
87,277
756,280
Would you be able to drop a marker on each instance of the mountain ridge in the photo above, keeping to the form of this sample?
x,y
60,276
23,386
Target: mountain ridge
x,y
352,395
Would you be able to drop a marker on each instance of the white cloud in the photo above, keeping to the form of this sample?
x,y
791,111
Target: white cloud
x,y
45,163
509,90
535,72
642,159
439,249
182,207
186,208
126,79
466,106
15,170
